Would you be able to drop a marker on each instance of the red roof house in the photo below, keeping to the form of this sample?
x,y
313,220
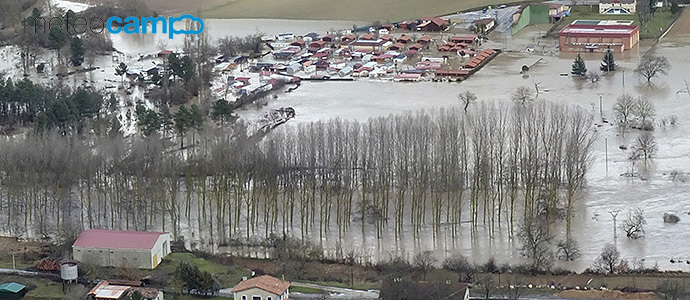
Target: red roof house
x,y
277,288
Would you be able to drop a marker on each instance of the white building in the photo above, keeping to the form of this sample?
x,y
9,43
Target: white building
x,y
141,249
617,7
262,288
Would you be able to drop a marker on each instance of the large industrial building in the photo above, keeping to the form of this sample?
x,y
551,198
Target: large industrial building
x,y
141,249
598,36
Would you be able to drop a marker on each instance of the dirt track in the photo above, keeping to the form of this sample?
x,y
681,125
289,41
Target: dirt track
x,y
682,26
573,294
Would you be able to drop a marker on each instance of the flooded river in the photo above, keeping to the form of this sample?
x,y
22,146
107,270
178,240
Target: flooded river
x,y
606,191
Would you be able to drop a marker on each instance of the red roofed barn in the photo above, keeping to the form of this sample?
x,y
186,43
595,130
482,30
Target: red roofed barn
x,y
262,288
141,249
598,37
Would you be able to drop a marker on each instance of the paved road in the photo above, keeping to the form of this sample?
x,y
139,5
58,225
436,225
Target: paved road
x,y
504,17
334,292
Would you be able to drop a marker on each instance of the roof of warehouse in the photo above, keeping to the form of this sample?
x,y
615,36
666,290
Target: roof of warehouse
x,y
117,239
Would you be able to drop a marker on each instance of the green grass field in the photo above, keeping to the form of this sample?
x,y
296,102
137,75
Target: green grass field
x,y
228,276
355,10
652,29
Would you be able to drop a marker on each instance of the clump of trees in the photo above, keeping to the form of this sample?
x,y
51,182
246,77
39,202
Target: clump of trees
x,y
190,278
310,180
628,109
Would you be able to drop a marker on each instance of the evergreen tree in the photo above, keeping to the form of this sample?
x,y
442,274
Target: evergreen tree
x,y
121,70
579,67
77,49
166,119
57,39
608,63
221,111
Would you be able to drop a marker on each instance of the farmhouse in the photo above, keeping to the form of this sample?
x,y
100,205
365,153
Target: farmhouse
x,y
264,287
597,36
110,248
433,24
617,7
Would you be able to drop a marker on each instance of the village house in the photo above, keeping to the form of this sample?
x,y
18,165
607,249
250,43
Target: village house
x,y
264,287
104,290
377,45
558,11
617,7
484,25
468,39
109,248
433,24
424,40
404,39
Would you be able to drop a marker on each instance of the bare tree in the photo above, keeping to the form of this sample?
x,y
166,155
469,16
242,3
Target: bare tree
x,y
644,109
651,66
424,262
634,225
488,286
568,250
672,290
535,238
523,95
460,265
512,290
608,259
466,98
645,146
624,107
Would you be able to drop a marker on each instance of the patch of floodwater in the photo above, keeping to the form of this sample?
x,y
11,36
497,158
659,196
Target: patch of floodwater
x,y
69,5
135,44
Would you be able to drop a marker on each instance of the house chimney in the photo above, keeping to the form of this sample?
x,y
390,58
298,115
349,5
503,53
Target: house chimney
x,y
283,276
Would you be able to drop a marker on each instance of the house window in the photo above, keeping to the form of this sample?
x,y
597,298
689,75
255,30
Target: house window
x,y
244,297
256,297
269,298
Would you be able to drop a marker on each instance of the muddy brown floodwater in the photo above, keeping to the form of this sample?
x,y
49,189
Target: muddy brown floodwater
x,y
606,189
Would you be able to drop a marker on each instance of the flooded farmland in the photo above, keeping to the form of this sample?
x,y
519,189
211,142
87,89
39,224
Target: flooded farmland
x,y
606,190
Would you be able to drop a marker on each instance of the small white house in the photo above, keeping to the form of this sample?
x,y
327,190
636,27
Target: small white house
x,y
383,31
264,287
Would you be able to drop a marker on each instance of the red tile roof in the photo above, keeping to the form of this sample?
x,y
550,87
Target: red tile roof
x,y
264,282
115,239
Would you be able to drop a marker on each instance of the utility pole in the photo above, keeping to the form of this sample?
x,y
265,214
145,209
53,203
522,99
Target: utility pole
x,y
606,138
601,107
614,214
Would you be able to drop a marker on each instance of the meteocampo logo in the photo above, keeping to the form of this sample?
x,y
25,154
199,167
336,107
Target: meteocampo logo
x,y
114,25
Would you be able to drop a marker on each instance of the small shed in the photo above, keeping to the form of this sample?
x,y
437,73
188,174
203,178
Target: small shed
x,y
12,290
